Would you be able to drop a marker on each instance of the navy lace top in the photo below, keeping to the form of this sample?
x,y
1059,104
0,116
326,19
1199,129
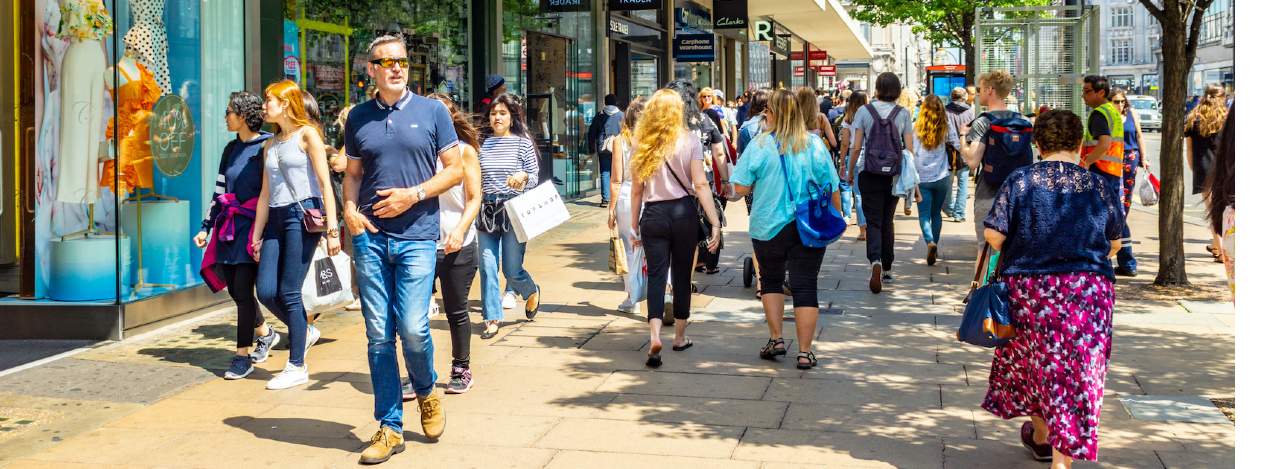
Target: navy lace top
x,y
1058,218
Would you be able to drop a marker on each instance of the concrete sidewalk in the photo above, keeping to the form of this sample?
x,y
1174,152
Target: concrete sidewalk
x,y
893,387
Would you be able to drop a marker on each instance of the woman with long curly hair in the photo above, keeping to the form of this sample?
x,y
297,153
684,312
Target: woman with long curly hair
x,y
665,218
621,215
297,178
1219,198
1202,130
932,134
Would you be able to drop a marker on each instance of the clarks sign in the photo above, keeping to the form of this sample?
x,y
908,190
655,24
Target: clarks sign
x,y
729,14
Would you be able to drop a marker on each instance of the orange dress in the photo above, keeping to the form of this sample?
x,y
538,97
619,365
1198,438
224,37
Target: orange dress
x,y
135,161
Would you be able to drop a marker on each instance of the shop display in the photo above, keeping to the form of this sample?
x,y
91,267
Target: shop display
x,y
85,268
148,39
84,23
136,95
162,248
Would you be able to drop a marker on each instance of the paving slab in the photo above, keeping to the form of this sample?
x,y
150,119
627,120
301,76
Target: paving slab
x,y
709,441
685,384
820,391
881,419
111,381
568,459
1173,409
1197,460
700,410
837,449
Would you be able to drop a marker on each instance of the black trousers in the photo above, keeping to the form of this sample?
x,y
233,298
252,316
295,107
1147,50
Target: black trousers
x,y
240,280
785,256
455,273
879,206
670,234
712,259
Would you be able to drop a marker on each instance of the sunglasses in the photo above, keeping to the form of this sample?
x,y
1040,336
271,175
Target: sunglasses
x,y
1118,101
387,62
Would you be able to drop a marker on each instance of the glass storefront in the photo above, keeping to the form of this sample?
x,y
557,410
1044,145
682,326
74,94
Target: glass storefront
x,y
758,65
548,59
130,132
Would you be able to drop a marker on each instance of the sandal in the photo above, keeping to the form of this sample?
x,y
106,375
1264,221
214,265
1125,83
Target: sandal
x,y
712,270
813,360
652,359
689,343
771,350
490,331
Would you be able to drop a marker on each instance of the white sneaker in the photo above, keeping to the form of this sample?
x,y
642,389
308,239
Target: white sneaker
x,y
314,335
290,377
509,301
434,310
353,306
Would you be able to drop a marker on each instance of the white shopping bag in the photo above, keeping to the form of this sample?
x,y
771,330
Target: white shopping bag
x,y
329,281
536,211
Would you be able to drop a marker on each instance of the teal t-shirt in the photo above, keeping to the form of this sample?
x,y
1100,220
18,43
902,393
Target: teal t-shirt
x,y
759,167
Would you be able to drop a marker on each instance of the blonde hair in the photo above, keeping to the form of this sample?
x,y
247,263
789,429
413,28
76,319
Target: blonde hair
x,y
660,125
631,115
908,100
1210,113
932,125
999,81
787,125
807,102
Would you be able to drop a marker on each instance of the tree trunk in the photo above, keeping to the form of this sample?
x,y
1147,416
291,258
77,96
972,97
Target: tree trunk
x,y
1172,269
969,57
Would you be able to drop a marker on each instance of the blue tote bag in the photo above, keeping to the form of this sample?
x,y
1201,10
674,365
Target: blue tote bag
x,y
818,222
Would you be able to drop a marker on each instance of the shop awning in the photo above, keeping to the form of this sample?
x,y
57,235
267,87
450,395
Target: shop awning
x,y
824,23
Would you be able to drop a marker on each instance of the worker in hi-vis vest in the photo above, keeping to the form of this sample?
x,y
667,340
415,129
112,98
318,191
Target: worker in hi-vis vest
x,y
1103,152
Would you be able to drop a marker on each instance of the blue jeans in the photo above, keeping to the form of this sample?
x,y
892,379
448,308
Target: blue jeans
x,y
604,168
284,256
934,195
501,252
957,205
857,195
395,278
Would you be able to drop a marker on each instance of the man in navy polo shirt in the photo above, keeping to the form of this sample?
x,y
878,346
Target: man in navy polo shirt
x,y
393,142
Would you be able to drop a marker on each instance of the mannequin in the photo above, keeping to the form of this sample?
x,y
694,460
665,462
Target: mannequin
x,y
148,38
136,95
81,99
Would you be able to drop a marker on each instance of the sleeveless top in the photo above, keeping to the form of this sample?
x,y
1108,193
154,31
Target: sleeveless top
x,y
286,155
1131,133
627,181
452,204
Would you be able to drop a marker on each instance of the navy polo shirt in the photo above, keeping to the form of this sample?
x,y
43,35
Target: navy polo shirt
x,y
398,147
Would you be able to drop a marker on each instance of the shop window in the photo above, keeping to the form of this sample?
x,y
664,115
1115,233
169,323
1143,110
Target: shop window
x,y
129,141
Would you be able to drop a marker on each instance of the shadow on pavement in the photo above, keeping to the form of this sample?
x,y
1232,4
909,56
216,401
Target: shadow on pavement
x,y
300,431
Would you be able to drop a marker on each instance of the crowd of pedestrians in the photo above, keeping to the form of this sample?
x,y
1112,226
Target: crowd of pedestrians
x,y
423,187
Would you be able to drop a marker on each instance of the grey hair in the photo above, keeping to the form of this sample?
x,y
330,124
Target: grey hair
x,y
958,93
385,39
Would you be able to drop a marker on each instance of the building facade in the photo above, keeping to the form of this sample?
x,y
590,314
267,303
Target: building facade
x,y
1215,51
898,50
1129,46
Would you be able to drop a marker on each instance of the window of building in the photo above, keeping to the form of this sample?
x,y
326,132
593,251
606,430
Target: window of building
x,y
1122,51
1122,17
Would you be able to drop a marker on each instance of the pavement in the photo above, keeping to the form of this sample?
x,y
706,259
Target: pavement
x,y
570,390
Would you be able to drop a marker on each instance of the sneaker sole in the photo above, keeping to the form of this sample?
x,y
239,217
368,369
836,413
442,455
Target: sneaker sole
x,y
231,377
876,283
394,451
270,386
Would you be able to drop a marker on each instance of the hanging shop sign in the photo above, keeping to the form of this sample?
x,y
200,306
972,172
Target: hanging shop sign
x,y
774,34
798,71
555,6
814,55
826,70
619,27
697,47
729,14
625,5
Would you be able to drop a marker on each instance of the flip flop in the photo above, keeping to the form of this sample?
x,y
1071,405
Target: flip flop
x,y
689,343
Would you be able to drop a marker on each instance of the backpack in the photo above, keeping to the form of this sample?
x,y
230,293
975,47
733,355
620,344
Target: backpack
x,y
883,145
1007,147
955,158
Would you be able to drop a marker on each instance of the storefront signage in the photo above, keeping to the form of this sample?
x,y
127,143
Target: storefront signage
x,y
625,5
826,70
729,14
763,30
617,26
814,55
798,71
552,6
171,135
694,47
773,34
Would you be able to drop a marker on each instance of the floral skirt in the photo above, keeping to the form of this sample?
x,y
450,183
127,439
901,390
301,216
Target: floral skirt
x,y
1056,365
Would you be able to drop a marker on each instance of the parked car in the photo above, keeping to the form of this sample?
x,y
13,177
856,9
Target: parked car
x,y
1148,110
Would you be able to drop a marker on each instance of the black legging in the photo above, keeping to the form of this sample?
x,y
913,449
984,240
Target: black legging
x,y
456,273
670,232
240,279
879,206
786,257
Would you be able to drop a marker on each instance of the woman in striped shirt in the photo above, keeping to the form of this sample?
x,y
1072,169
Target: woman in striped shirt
x,y
508,163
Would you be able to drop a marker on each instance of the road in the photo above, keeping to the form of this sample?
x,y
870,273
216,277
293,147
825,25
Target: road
x,y
1151,151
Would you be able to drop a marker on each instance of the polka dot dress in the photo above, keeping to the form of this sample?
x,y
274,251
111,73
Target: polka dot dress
x,y
148,38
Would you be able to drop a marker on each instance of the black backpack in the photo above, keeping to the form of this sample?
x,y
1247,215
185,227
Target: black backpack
x,y
1008,146
883,144
956,161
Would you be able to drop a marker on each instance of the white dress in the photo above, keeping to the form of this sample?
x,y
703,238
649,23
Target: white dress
x,y
635,280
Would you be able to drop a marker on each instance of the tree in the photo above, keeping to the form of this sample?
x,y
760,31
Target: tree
x,y
947,22
1180,22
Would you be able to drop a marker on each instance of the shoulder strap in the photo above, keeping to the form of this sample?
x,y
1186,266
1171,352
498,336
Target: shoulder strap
x,y
980,267
893,115
669,166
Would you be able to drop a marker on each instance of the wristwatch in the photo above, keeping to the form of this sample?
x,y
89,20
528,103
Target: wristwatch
x,y
420,192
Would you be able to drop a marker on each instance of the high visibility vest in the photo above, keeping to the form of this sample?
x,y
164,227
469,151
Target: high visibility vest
x,y
1112,162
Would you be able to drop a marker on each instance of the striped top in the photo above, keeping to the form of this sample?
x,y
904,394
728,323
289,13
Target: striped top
x,y
502,157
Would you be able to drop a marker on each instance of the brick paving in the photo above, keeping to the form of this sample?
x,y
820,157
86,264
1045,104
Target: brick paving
x,y
893,388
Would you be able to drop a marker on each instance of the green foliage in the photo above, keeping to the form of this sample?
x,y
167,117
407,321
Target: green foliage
x,y
946,22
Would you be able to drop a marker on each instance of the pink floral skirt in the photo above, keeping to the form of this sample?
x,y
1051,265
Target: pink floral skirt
x,y
1056,365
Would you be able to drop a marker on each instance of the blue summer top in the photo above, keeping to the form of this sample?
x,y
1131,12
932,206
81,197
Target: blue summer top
x,y
1058,218
1131,133
761,168
299,181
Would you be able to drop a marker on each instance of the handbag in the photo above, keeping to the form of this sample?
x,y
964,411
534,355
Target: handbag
x,y
818,222
328,282
987,316
705,228
1149,192
536,211
313,219
617,261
